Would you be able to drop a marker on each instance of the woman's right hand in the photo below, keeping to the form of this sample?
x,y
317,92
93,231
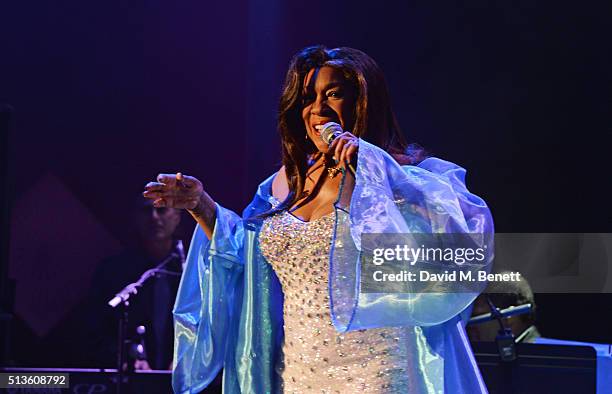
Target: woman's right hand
x,y
175,191
184,192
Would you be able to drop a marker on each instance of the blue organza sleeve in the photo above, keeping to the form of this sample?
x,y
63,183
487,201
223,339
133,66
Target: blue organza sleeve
x,y
206,303
390,199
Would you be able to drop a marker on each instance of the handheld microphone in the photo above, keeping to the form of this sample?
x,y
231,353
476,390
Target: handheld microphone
x,y
329,132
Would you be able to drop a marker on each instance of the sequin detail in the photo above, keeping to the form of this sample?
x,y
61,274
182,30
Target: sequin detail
x,y
315,357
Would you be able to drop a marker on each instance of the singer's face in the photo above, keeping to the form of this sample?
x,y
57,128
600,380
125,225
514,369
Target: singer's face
x,y
327,97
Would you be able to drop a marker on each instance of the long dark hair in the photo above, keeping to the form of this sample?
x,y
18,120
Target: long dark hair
x,y
375,121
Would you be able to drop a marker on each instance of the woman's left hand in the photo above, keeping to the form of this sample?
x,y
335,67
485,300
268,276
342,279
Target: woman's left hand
x,y
344,148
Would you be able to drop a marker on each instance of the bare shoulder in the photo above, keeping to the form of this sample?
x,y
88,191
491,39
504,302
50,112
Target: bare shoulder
x,y
280,186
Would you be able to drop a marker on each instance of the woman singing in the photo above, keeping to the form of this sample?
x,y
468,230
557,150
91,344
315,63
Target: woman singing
x,y
273,297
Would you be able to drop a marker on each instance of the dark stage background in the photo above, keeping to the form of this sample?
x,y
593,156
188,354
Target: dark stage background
x,y
108,94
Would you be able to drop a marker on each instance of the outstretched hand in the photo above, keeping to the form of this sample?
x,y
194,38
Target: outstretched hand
x,y
174,191
183,192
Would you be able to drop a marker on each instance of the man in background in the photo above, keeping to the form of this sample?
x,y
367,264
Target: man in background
x,y
504,295
152,306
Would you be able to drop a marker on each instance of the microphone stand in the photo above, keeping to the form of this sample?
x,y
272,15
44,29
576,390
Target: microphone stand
x,y
505,338
506,343
122,299
509,311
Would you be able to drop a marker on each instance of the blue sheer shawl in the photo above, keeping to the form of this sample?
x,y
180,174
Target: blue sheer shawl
x,y
228,312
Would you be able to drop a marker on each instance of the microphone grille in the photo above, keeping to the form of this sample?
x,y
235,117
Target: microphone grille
x,y
329,130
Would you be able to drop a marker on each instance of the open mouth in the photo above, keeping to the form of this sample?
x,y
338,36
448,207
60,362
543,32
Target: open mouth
x,y
318,126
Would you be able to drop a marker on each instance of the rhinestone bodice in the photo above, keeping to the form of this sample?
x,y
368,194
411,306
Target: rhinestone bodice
x,y
315,357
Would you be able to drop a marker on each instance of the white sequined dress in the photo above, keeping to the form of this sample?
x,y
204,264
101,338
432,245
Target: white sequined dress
x,y
316,358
